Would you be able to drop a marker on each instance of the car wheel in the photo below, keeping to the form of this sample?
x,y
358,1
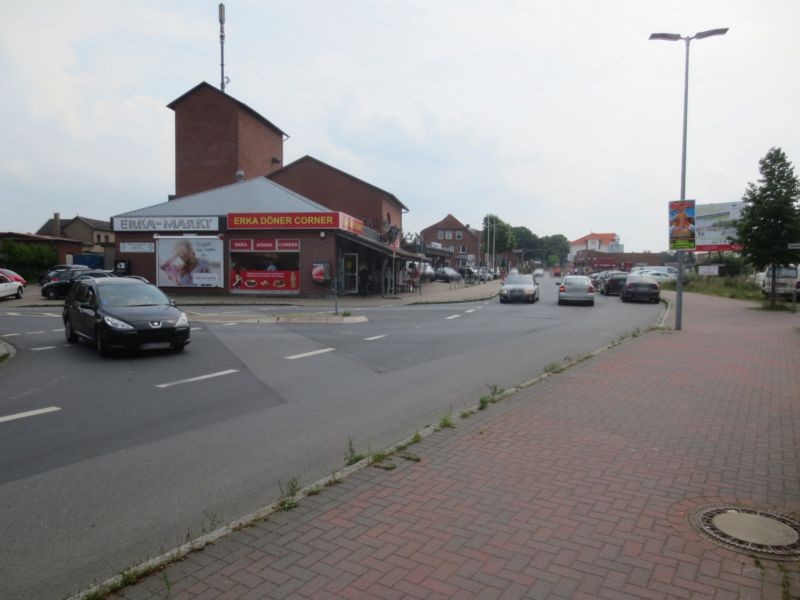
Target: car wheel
x,y
623,298
69,332
178,346
591,303
560,302
100,343
19,292
51,294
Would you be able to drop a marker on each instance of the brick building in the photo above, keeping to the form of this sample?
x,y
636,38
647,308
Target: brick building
x,y
462,241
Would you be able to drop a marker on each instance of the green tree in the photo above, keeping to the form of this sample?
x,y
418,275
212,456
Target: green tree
x,y
770,220
29,260
497,235
556,245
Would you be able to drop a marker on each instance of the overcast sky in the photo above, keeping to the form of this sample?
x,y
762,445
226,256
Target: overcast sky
x,y
559,116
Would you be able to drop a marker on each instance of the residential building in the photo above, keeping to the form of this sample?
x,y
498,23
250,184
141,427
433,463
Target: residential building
x,y
462,241
600,242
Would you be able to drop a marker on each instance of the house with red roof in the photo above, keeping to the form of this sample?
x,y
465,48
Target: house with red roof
x,y
600,242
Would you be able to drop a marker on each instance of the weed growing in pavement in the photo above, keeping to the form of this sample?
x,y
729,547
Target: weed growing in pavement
x,y
378,457
352,457
496,390
347,313
389,466
288,499
484,402
636,332
409,456
465,414
313,491
446,421
553,368
334,479
417,438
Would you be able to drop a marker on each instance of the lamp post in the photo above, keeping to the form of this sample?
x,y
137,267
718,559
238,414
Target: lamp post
x,y
674,37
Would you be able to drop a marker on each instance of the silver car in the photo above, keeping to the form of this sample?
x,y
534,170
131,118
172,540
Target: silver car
x,y
577,289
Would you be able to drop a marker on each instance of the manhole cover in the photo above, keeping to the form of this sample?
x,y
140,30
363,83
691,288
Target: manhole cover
x,y
759,532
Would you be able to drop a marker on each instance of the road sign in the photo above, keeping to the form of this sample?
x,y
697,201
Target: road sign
x,y
794,246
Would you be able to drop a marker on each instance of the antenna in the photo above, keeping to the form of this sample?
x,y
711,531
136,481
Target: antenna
x,y
222,79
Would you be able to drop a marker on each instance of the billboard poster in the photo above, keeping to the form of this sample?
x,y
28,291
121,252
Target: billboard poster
x,y
265,266
714,224
189,261
681,225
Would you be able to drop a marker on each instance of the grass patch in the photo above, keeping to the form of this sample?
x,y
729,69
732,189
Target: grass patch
x,y
736,288
378,457
313,491
484,402
288,499
352,457
409,456
446,422
553,368
347,313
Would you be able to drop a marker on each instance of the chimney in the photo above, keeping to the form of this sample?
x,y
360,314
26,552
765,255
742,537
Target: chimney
x,y
57,224
239,175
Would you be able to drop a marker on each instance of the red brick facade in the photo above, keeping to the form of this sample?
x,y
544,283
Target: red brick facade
x,y
337,190
215,136
452,232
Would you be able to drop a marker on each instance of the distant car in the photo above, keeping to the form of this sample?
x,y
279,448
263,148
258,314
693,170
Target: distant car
x,y
484,274
14,276
518,287
612,283
121,312
661,276
48,275
576,289
62,281
10,288
427,273
447,274
640,286
538,274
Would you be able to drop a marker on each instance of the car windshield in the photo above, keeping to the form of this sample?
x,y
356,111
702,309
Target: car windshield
x,y
131,295
515,279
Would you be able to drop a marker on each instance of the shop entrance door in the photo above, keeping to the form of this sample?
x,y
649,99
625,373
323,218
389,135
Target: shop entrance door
x,y
350,273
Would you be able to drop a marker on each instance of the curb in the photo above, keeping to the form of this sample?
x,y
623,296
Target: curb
x,y
7,351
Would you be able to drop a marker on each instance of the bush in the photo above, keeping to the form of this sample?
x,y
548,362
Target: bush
x,y
29,260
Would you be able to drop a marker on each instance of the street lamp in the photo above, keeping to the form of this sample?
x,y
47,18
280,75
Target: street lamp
x,y
674,37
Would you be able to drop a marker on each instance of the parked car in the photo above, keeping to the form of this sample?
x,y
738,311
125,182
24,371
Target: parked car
x,y
484,274
14,276
667,270
62,281
10,288
519,287
612,283
577,289
427,273
447,274
50,273
121,312
660,276
640,286
786,281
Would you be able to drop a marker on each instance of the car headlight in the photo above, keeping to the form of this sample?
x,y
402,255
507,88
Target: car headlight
x,y
182,320
503,292
116,323
528,292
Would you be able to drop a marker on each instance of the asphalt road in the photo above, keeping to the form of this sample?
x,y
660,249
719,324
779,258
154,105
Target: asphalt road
x,y
139,451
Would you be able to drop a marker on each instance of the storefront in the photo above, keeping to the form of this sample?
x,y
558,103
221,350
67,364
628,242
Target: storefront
x,y
303,249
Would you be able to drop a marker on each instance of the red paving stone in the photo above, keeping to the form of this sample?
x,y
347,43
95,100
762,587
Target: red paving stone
x,y
577,487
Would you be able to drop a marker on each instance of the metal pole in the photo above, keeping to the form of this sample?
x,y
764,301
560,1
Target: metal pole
x,y
222,47
679,286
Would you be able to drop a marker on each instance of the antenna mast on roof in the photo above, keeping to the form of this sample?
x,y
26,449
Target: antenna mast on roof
x,y
223,80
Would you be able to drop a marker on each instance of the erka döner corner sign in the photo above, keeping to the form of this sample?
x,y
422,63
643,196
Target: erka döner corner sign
x,y
318,220
166,224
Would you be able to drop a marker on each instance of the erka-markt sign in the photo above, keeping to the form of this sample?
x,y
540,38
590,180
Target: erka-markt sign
x,y
794,246
318,220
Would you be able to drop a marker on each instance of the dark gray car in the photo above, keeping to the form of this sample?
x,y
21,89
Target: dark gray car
x,y
519,288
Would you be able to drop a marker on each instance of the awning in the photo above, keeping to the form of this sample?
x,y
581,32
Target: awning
x,y
377,246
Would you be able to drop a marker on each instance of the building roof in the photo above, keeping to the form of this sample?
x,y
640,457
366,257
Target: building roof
x,y
10,235
47,228
241,105
252,195
605,238
308,158
450,222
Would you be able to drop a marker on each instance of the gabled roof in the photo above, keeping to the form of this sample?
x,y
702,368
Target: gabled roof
x,y
308,158
37,237
47,228
252,195
241,105
605,238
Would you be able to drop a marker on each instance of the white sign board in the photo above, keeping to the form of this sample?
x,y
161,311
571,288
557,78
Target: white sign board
x,y
794,246
190,261
146,247
708,270
166,223
714,224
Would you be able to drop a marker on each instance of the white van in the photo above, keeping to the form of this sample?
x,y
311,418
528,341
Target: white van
x,y
671,271
786,281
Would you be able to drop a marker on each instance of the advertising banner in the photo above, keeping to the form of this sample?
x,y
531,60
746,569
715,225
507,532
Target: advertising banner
x,y
265,281
681,225
318,220
714,224
189,261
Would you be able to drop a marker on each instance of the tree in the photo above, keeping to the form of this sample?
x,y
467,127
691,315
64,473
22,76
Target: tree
x,y
497,235
556,245
770,220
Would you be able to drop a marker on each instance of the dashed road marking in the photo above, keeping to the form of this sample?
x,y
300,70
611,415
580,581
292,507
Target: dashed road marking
x,y
42,348
195,328
199,378
307,354
471,310
374,337
56,330
10,334
33,332
452,317
30,413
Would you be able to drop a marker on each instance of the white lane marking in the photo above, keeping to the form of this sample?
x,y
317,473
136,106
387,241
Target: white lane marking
x,y
228,324
30,413
306,354
42,348
12,314
471,310
33,332
200,378
10,334
374,337
56,330
195,328
51,314
452,317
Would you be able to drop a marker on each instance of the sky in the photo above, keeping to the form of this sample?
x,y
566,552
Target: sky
x,y
559,116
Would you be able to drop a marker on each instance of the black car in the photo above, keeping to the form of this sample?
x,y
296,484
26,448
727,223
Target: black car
x,y
48,275
447,274
640,287
61,282
519,287
121,312
613,283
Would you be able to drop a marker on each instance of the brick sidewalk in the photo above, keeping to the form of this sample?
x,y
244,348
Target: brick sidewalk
x,y
577,487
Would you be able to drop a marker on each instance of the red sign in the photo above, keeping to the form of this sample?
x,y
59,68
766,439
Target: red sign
x,y
265,245
289,245
242,245
265,281
320,220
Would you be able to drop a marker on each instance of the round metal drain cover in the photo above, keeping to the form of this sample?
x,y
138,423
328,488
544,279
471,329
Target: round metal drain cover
x,y
759,532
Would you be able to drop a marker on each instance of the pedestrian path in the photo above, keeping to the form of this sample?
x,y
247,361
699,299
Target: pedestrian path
x,y
580,486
